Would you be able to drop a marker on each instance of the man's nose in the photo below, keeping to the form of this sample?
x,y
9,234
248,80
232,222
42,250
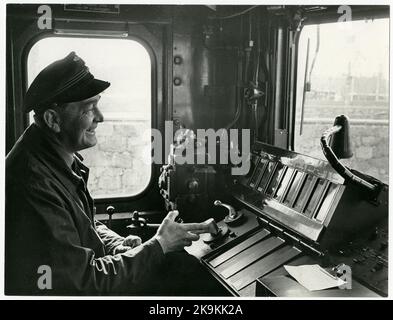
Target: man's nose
x,y
99,117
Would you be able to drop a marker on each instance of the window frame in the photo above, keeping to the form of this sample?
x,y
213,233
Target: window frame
x,y
357,16
314,19
153,98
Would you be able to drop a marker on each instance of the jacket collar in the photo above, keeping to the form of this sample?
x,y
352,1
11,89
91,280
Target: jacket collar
x,y
46,150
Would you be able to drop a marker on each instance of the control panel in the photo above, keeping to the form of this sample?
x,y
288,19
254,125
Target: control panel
x,y
306,213
308,197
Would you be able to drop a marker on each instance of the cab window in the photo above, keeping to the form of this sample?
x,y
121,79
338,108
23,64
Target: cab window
x,y
346,71
120,163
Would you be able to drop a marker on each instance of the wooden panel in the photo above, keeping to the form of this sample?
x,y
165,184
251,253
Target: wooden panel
x,y
239,248
249,256
263,267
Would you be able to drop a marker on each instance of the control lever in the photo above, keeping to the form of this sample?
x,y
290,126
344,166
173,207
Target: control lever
x,y
206,227
215,232
209,230
138,222
233,217
110,210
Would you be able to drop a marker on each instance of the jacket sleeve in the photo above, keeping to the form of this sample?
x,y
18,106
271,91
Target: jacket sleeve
x,y
110,238
75,268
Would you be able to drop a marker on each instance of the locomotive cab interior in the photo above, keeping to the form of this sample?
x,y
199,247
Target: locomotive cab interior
x,y
270,123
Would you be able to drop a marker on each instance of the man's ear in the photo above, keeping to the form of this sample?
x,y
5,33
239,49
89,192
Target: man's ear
x,y
52,120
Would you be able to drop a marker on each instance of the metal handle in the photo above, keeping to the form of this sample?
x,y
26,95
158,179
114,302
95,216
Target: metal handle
x,y
110,210
232,211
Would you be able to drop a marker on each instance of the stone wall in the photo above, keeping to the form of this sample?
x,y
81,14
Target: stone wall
x,y
369,132
120,162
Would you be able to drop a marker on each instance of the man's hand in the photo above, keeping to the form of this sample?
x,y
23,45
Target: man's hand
x,y
128,243
174,236
132,241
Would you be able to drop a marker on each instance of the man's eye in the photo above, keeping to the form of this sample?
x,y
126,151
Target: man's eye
x,y
89,112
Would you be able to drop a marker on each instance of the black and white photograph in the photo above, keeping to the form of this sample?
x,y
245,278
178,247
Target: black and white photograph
x,y
196,150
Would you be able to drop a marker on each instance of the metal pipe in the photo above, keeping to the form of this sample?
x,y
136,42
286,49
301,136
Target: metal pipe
x,y
304,88
279,83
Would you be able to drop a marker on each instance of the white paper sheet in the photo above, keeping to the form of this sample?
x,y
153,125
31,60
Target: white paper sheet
x,y
313,277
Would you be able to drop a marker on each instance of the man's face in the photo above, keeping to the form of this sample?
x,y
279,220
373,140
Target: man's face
x,y
78,121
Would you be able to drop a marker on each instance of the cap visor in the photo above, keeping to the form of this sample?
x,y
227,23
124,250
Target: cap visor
x,y
90,89
78,92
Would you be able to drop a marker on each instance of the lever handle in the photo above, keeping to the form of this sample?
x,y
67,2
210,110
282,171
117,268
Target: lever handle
x,y
110,210
232,212
208,226
233,217
212,226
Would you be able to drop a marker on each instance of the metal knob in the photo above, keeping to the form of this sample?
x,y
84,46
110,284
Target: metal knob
x,y
193,185
137,221
110,210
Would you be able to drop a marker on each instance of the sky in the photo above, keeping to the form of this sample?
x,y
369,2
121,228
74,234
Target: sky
x,y
363,44
124,63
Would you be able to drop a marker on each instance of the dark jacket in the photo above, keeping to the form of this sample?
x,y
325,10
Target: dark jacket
x,y
50,222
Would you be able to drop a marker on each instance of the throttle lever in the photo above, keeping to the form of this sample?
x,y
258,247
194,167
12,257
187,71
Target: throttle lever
x,y
233,217
209,230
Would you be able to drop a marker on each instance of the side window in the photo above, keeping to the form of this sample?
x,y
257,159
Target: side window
x,y
347,72
120,164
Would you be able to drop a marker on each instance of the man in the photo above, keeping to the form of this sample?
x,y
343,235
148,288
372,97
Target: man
x,y
50,225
